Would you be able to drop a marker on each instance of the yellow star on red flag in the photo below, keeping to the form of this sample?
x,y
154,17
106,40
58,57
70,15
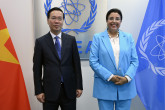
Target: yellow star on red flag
x,y
5,54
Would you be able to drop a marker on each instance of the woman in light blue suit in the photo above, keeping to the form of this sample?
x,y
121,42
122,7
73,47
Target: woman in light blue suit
x,y
114,61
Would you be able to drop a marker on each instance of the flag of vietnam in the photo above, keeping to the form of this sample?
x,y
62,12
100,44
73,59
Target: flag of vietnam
x,y
13,94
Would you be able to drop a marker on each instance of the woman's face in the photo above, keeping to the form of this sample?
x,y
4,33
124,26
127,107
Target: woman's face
x,y
113,22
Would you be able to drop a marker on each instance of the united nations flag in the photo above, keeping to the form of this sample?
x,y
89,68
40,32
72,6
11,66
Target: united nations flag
x,y
150,77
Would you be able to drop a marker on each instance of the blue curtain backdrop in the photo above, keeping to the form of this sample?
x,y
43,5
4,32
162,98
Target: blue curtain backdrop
x,y
150,77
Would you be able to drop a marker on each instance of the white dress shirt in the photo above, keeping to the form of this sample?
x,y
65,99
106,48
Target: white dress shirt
x,y
116,50
59,38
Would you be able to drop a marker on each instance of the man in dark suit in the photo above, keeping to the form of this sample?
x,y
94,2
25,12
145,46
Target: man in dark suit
x,y
56,54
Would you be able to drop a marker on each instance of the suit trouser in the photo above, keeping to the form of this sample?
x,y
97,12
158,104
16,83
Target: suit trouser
x,y
63,102
119,104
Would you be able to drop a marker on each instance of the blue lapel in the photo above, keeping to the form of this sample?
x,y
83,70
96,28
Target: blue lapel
x,y
122,46
108,46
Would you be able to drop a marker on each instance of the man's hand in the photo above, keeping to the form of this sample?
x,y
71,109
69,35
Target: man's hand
x,y
78,93
121,81
41,97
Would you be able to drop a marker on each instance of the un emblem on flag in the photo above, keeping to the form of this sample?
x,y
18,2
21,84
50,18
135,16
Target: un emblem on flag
x,y
73,11
156,47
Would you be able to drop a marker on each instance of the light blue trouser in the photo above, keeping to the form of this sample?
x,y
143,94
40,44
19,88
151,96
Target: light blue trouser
x,y
119,104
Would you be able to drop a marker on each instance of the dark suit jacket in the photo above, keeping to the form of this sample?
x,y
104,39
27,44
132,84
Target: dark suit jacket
x,y
46,61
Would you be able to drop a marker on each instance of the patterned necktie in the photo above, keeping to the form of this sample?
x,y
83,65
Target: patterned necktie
x,y
57,46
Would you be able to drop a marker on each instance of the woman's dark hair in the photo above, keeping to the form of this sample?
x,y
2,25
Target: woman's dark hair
x,y
114,10
54,9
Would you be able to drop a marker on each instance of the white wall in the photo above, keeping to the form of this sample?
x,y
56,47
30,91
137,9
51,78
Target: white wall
x,y
18,15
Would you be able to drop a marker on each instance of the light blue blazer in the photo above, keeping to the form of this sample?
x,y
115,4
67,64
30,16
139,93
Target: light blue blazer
x,y
102,61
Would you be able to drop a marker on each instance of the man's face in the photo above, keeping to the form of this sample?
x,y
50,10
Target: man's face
x,y
55,21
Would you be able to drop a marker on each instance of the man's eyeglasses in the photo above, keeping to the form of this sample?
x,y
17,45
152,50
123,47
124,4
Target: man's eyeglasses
x,y
57,18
